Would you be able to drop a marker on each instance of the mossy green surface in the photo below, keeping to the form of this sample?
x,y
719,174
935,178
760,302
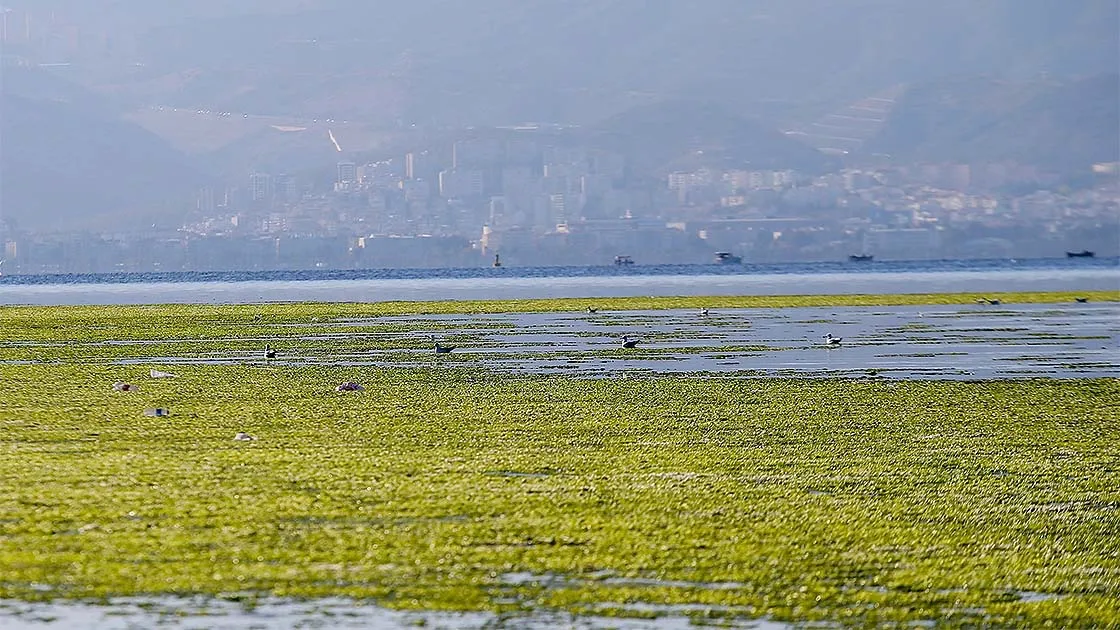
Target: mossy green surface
x,y
862,502
177,321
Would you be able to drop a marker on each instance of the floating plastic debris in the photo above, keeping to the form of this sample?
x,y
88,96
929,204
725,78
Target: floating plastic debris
x,y
244,437
157,412
121,386
349,387
159,374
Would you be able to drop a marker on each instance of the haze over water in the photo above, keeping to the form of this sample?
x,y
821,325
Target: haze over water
x,y
981,276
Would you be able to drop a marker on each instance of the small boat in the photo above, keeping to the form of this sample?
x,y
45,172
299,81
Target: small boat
x,y
727,258
497,260
623,260
861,258
1081,254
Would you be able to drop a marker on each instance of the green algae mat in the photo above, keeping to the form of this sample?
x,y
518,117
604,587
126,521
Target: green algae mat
x,y
857,502
164,317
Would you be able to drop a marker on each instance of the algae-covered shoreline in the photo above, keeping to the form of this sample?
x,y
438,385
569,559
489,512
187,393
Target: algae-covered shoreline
x,y
388,308
454,488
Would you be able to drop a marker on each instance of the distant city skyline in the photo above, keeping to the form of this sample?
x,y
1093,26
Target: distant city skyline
x,y
663,127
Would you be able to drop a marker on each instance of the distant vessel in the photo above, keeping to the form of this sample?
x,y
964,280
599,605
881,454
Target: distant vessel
x,y
1081,254
497,260
623,260
861,258
727,258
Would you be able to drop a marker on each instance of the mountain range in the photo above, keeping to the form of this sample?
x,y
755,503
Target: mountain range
x,y
580,61
659,80
682,135
1061,126
69,160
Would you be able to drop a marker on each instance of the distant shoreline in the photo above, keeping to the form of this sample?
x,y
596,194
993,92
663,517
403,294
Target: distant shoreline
x,y
515,270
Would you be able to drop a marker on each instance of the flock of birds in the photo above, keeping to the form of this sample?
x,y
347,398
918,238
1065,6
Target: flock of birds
x,y
628,342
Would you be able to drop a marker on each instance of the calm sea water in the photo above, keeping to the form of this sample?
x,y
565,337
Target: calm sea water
x,y
372,285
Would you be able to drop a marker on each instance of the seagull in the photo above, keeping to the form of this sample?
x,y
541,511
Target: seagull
x,y
592,311
704,312
1081,300
627,342
269,352
442,349
833,342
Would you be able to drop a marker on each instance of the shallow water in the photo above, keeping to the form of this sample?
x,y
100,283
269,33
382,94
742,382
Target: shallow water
x,y
334,613
548,282
967,341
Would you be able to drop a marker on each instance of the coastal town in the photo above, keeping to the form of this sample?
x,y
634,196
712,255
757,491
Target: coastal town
x,y
124,153
528,203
